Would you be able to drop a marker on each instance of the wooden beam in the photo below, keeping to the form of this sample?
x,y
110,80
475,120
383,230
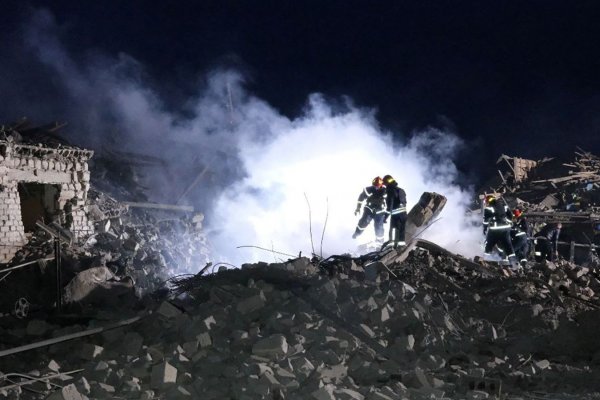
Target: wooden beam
x,y
170,207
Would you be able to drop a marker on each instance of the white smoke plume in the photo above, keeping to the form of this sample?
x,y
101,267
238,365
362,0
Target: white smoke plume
x,y
264,166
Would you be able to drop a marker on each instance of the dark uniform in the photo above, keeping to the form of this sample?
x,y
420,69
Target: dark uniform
x,y
496,226
374,209
547,241
396,211
520,234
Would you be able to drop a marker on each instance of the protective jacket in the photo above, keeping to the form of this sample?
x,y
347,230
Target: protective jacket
x,y
374,210
396,200
497,222
520,234
374,199
551,233
396,209
496,217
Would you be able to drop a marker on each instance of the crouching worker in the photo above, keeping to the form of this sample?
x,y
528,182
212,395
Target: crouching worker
x,y
396,211
374,199
496,228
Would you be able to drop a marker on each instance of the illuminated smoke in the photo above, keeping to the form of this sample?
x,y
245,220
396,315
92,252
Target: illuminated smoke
x,y
262,165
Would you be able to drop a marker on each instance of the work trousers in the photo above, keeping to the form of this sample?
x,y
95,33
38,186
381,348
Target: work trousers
x,y
366,218
398,228
500,238
521,247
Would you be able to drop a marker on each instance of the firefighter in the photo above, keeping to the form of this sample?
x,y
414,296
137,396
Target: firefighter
x,y
497,222
547,242
374,197
520,235
396,211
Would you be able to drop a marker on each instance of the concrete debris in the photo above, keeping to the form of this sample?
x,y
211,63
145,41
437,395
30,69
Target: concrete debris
x,y
413,323
319,336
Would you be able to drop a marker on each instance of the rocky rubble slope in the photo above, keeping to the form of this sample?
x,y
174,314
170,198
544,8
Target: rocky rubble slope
x,y
389,325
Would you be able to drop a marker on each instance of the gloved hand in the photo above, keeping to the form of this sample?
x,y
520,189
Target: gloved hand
x,y
357,211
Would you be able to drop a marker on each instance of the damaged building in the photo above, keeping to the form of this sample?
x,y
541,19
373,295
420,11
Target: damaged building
x,y
147,316
41,184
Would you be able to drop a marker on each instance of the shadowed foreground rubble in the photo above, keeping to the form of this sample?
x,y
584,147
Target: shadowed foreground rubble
x,y
392,325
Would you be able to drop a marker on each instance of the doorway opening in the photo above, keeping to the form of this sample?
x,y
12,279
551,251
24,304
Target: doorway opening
x,y
39,202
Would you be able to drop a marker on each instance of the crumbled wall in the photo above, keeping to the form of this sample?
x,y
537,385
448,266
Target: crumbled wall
x,y
67,168
12,235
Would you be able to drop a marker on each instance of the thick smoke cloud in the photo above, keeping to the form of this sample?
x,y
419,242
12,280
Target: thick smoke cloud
x,y
265,169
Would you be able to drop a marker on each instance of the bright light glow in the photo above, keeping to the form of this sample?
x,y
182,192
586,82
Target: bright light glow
x,y
261,164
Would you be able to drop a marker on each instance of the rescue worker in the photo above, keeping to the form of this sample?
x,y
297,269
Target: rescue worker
x,y
547,242
496,228
520,234
374,197
396,211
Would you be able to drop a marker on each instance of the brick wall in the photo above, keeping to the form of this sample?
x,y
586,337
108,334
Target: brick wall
x,y
12,235
66,168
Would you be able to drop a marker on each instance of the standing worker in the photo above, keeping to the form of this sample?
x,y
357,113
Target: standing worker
x,y
547,242
396,210
496,228
374,197
520,235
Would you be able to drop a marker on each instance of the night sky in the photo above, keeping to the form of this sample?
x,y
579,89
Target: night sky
x,y
514,77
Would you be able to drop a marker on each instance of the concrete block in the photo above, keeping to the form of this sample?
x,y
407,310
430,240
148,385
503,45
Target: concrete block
x,y
132,343
162,375
273,347
90,351
347,394
368,331
53,366
333,374
168,310
251,304
302,366
204,339
68,392
324,393
147,395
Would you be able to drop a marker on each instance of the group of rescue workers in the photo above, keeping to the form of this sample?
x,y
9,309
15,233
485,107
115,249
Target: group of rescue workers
x,y
512,235
505,230
383,200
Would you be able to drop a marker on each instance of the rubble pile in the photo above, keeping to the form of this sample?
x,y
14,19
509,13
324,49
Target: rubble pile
x,y
130,244
396,324
552,191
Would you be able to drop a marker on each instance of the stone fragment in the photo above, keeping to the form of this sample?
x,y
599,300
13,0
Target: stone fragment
x,y
68,392
90,351
53,366
163,374
348,394
251,304
204,340
274,347
168,310
147,395
368,331
324,393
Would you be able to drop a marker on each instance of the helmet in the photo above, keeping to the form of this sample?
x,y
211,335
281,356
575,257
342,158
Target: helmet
x,y
517,212
490,198
377,181
388,179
